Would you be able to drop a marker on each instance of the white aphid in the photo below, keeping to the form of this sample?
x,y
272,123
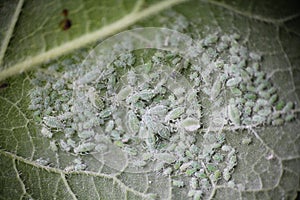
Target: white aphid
x,y
53,146
234,114
124,93
174,114
85,147
133,122
52,122
86,134
233,81
216,89
46,133
178,183
190,124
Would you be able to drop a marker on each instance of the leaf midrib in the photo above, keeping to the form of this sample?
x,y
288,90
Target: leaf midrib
x,y
126,21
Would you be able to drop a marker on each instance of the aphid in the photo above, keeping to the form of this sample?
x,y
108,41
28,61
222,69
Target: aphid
x,y
80,167
101,147
165,157
255,56
218,157
164,132
277,122
69,168
289,117
201,174
258,119
216,175
234,114
64,146
273,99
42,161
216,89
197,195
168,171
109,126
270,157
124,93
133,122
265,112
52,122
251,88
194,183
247,141
280,105
146,94
226,148
231,184
174,114
185,166
235,91
86,134
264,94
288,107
46,133
226,174
53,146
178,183
190,124
233,81
105,113
85,147
70,142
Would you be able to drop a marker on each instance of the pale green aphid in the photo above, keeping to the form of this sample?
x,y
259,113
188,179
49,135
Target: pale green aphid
x,y
52,122
250,96
194,183
147,94
197,195
226,174
264,112
289,117
234,114
231,184
247,141
226,148
264,94
53,146
164,132
109,126
190,124
178,183
165,157
86,134
105,113
101,147
236,92
185,166
277,122
273,99
46,132
124,93
216,89
71,142
174,114
288,107
167,171
85,147
64,146
233,81
133,122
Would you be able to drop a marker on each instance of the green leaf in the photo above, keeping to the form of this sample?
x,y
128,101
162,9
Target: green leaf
x,y
266,168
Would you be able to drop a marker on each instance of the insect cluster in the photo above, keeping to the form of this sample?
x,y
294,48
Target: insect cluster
x,y
253,99
155,115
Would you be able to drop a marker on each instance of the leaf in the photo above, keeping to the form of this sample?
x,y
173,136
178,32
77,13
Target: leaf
x,y
267,168
35,43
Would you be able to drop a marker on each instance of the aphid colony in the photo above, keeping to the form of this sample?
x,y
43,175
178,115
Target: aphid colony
x,y
253,98
153,113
